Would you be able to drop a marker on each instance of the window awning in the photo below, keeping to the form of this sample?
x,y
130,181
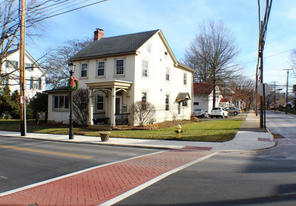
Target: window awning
x,y
183,96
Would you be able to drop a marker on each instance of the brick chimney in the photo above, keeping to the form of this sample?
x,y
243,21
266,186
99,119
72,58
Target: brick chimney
x,y
99,33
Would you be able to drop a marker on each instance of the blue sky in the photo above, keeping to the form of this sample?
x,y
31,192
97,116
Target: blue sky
x,y
179,20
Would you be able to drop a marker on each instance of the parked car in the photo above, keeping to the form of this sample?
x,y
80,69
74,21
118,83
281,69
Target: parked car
x,y
200,113
219,112
233,110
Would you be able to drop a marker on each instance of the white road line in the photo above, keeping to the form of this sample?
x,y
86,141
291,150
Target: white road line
x,y
71,174
147,184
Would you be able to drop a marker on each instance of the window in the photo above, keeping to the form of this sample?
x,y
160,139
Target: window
x,y
61,102
119,70
4,81
185,79
34,83
196,103
29,66
100,102
144,97
185,103
84,70
101,68
167,102
167,74
144,100
144,68
12,64
40,84
149,48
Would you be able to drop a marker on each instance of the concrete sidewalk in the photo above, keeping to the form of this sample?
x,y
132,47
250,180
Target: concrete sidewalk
x,y
249,137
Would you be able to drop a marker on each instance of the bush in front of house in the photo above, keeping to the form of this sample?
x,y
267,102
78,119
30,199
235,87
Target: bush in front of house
x,y
142,112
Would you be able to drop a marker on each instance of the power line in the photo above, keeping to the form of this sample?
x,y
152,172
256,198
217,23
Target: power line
x,y
40,9
54,15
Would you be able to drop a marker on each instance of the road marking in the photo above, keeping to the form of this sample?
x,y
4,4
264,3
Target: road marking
x,y
156,179
47,152
70,175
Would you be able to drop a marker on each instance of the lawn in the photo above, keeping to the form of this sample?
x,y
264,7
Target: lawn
x,y
208,131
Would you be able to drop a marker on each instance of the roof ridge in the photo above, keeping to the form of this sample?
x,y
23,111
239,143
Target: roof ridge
x,y
122,35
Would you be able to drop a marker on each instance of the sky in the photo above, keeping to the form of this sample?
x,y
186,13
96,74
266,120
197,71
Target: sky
x,y
179,21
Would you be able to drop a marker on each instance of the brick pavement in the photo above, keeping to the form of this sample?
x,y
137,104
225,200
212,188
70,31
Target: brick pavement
x,y
101,184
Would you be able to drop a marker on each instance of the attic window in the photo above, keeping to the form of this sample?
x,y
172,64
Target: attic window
x,y
149,48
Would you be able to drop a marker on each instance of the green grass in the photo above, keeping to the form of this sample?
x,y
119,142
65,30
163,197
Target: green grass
x,y
209,131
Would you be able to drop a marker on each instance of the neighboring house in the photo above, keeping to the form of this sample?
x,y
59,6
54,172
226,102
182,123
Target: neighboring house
x,y
224,102
34,74
119,71
203,96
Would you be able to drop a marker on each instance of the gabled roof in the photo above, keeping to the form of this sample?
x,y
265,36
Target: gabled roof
x,y
8,53
123,45
224,100
57,90
112,46
202,88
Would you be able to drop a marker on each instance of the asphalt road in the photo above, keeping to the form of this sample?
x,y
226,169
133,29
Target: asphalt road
x,y
24,161
264,177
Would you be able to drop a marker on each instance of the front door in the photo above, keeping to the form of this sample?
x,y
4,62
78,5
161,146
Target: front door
x,y
118,105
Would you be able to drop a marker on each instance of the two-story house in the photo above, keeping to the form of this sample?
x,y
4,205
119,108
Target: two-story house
x,y
34,74
119,71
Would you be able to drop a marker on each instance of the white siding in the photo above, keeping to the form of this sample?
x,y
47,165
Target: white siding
x,y
156,85
35,73
56,115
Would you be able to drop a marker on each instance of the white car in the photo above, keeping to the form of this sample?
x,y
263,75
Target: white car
x,y
219,112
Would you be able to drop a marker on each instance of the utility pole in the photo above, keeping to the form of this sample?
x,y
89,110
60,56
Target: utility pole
x,y
22,67
262,37
262,98
287,89
274,97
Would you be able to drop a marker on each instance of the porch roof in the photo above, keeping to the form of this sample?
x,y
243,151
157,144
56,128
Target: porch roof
x,y
183,96
109,84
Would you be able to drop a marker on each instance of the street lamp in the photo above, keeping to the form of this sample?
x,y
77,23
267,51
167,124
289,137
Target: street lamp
x,y
71,70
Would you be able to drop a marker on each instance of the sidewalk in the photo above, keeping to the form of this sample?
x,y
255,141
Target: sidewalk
x,y
249,137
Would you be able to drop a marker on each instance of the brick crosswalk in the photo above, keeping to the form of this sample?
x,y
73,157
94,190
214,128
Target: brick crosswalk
x,y
102,184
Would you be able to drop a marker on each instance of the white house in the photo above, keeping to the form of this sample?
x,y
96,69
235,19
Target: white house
x,y
34,74
121,70
203,96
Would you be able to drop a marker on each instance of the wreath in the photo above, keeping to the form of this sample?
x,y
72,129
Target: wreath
x,y
73,84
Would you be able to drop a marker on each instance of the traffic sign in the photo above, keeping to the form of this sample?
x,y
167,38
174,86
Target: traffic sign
x,y
260,89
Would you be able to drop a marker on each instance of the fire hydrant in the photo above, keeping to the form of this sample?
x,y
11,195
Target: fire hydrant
x,y
178,131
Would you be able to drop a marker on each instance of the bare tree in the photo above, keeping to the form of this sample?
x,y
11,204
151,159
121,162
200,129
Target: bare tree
x,y
212,54
142,112
10,26
57,59
80,106
243,90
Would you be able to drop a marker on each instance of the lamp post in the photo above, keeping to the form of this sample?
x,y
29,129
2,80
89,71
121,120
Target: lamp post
x,y
71,70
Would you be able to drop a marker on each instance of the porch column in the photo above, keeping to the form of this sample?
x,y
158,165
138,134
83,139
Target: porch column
x,y
112,111
90,108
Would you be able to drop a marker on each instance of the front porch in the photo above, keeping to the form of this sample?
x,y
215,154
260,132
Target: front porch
x,y
112,103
